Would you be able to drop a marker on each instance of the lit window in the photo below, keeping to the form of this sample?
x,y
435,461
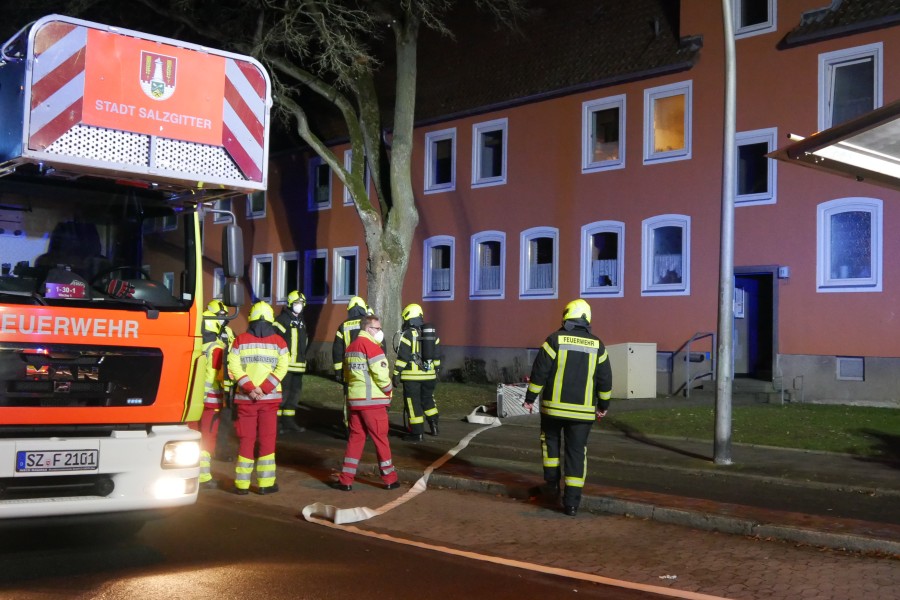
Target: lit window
x,y
489,153
346,261
602,259
261,274
288,274
755,180
319,190
440,161
348,164
315,270
667,122
603,134
538,263
666,256
438,265
752,17
487,272
849,245
850,84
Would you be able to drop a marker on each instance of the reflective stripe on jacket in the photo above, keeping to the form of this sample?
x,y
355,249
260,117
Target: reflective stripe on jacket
x,y
572,374
409,364
367,374
293,330
255,361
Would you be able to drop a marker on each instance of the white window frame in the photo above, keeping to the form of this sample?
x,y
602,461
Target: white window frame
x,y
281,289
525,238
223,204
339,295
431,139
769,137
218,283
311,204
348,164
479,129
767,26
308,260
824,282
651,95
256,275
827,63
587,233
475,266
649,226
427,245
257,214
588,164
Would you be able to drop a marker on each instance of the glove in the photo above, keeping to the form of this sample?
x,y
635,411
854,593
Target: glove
x,y
396,380
118,288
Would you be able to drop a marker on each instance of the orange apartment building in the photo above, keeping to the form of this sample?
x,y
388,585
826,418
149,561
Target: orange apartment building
x,y
583,158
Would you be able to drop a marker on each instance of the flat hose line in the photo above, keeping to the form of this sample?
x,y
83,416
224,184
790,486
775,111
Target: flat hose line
x,y
338,518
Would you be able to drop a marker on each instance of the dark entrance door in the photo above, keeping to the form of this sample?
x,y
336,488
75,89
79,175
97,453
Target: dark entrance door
x,y
754,322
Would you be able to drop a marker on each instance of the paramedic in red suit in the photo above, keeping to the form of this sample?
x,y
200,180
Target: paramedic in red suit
x,y
368,379
257,363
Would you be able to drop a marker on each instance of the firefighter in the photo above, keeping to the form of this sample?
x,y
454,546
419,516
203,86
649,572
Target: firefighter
x,y
225,447
258,362
292,328
346,333
214,396
368,379
417,364
573,378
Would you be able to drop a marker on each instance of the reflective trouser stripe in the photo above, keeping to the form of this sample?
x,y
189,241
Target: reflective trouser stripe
x,y
205,467
265,470
350,465
279,412
243,470
386,467
550,462
431,412
578,481
287,412
413,417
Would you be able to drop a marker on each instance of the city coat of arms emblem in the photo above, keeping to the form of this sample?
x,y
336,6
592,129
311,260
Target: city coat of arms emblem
x,y
158,75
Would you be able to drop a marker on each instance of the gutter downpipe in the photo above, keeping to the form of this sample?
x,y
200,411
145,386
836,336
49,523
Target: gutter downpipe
x,y
725,364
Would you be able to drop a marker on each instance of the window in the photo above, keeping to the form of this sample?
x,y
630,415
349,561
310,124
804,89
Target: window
x,y
169,281
602,259
218,287
261,274
438,265
850,84
224,204
346,261
667,122
849,245
316,275
489,153
603,134
487,277
319,192
538,264
850,368
666,256
440,161
752,17
256,205
755,179
348,164
288,275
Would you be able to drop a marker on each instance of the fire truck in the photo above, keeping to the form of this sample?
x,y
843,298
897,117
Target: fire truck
x,y
113,146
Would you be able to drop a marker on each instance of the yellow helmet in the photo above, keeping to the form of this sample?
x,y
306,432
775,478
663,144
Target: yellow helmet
x,y
577,309
261,310
412,311
295,296
357,301
216,307
211,321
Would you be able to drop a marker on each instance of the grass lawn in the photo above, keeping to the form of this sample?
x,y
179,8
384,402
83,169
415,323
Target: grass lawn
x,y
863,431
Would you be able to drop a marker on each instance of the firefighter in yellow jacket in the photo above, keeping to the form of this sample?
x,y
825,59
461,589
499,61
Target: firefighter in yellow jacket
x,y
573,378
292,328
214,396
257,362
418,361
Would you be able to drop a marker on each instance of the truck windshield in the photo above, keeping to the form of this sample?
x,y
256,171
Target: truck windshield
x,y
93,246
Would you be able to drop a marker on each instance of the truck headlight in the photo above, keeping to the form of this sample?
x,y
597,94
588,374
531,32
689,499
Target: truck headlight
x,y
181,454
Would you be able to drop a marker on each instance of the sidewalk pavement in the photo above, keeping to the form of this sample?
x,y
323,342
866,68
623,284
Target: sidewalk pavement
x,y
822,499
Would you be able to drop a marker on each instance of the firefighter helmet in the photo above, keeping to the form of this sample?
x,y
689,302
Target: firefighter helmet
x,y
261,310
217,307
357,301
295,296
412,311
577,309
211,321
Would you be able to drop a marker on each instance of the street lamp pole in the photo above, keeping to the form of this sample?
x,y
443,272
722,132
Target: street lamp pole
x,y
725,351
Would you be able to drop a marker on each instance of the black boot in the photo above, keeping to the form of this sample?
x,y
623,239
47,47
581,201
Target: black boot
x,y
433,424
288,424
413,437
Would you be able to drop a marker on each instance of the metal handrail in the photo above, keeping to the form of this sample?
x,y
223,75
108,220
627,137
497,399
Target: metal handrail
x,y
688,378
